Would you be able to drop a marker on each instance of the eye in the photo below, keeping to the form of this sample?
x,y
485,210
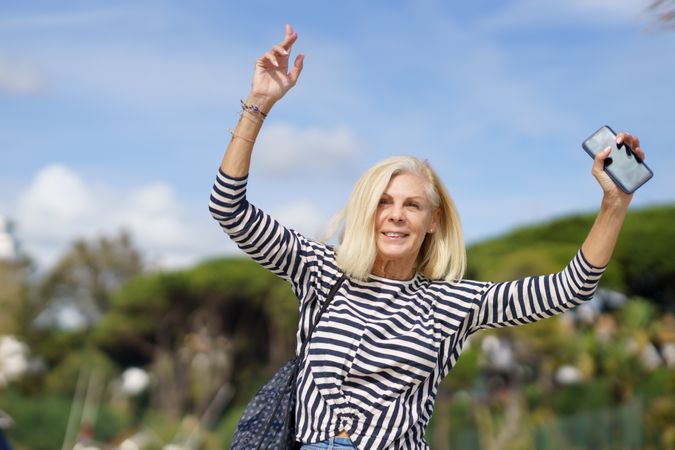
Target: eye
x,y
383,201
414,205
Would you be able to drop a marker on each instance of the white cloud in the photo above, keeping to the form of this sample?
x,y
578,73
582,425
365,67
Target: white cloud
x,y
301,216
283,149
19,77
60,205
57,199
154,214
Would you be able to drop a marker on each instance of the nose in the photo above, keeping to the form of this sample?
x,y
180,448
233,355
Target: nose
x,y
396,214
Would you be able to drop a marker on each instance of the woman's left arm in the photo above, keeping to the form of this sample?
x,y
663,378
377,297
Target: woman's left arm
x,y
535,298
600,242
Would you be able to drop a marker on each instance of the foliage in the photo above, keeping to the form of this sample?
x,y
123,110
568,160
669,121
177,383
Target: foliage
x,y
62,378
87,274
192,327
14,282
157,309
466,370
40,421
642,264
47,350
569,400
229,424
48,413
109,424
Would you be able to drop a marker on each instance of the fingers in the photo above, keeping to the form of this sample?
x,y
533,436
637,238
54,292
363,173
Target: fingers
x,y
278,52
640,153
599,160
637,149
274,57
632,141
268,60
297,68
290,38
624,137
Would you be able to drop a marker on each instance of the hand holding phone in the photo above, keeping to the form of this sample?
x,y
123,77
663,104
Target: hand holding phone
x,y
622,165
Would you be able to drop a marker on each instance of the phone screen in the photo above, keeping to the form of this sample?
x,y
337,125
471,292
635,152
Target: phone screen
x,y
600,140
622,165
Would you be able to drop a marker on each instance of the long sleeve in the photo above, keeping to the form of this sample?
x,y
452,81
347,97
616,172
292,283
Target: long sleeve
x,y
534,298
283,251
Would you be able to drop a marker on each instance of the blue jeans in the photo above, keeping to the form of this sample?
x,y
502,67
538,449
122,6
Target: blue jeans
x,y
337,443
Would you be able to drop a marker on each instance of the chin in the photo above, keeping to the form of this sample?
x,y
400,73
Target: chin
x,y
389,253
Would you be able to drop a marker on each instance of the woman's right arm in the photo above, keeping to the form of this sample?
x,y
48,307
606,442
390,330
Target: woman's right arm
x,y
271,81
281,250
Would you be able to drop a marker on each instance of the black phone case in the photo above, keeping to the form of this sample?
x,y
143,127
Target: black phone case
x,y
613,176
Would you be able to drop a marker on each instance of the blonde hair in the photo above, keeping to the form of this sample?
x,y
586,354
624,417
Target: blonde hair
x,y
442,254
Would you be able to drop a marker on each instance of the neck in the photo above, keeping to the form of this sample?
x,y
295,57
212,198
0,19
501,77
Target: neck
x,y
394,270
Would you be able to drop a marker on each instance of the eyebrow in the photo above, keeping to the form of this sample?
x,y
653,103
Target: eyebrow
x,y
414,197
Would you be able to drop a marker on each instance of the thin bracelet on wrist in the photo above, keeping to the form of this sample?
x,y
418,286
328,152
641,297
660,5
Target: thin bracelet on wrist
x,y
254,109
243,138
250,116
235,135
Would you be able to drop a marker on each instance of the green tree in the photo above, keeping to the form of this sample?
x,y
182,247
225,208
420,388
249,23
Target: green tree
x,y
192,327
88,274
13,290
642,264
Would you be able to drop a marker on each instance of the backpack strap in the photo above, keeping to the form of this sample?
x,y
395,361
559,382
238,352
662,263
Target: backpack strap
x,y
331,294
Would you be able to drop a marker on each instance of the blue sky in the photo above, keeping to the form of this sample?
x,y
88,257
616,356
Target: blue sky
x,y
114,115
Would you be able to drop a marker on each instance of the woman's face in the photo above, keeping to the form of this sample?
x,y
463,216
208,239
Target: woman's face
x,y
404,217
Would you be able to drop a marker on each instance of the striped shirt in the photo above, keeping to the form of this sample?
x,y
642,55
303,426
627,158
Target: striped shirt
x,y
382,347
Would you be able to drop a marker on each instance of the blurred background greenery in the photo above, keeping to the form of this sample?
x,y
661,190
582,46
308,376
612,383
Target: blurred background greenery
x,y
104,352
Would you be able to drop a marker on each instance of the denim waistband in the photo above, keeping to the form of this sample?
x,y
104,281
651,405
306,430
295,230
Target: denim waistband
x,y
331,443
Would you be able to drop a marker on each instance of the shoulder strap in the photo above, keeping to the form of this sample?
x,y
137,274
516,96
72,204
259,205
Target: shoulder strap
x,y
331,294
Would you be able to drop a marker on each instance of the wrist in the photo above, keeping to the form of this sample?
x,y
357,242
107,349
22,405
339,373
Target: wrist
x,y
615,204
264,102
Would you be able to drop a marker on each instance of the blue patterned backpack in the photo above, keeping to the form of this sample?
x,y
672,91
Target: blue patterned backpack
x,y
268,421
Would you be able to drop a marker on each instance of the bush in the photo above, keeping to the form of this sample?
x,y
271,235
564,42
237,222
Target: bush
x,y
40,421
47,414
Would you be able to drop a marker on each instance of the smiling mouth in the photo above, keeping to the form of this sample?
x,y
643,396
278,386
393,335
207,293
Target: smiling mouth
x,y
394,235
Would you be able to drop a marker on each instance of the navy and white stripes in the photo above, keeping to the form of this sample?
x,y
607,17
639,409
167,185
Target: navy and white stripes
x,y
383,346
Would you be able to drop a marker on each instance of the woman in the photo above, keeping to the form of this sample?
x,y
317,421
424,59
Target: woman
x,y
398,322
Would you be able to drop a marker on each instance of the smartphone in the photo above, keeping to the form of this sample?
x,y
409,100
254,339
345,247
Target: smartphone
x,y
622,165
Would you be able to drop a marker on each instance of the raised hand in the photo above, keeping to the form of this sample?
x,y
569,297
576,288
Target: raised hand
x,y
611,190
271,78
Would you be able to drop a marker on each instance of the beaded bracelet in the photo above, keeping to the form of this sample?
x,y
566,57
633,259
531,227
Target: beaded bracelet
x,y
252,108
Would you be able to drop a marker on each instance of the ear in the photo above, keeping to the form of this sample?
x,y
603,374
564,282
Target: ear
x,y
435,219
